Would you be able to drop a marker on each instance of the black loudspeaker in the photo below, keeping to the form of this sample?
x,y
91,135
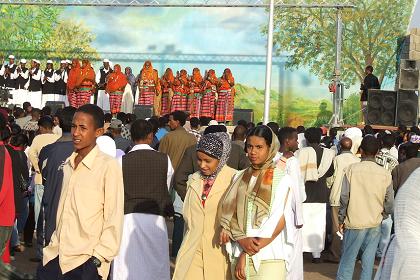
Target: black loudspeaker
x,y
407,107
143,111
381,107
409,75
243,114
55,105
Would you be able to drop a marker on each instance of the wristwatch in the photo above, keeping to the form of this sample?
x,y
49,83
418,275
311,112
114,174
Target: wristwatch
x,y
95,261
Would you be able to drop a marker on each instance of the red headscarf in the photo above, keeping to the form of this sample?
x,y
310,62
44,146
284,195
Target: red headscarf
x,y
169,76
86,73
73,74
197,78
227,80
116,80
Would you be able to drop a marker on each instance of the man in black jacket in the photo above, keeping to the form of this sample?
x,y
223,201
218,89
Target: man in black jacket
x,y
370,82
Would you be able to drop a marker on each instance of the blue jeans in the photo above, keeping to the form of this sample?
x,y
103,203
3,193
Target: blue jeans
x,y
386,228
355,240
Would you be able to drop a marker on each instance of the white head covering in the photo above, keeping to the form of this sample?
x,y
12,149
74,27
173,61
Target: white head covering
x,y
49,61
213,122
23,60
106,60
356,136
107,145
11,56
68,61
63,61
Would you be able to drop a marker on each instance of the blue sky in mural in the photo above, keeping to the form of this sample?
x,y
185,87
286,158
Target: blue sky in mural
x,y
228,31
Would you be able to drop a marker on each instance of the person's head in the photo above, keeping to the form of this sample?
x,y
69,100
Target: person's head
x,y
239,133
106,63
274,127
313,135
23,63
215,129
122,117
56,120
370,146
155,124
243,123
415,130
3,128
85,63
333,132
36,114
388,141
46,111
288,138
128,71
369,69
141,132
163,122
63,64
346,144
212,152
11,59
87,125
49,65
131,118
107,117
20,140
261,145
19,113
65,118
177,119
27,107
250,125
407,151
368,130
195,123
147,65
300,129
115,127
45,124
75,63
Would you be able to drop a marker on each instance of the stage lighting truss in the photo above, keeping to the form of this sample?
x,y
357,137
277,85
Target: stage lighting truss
x,y
186,3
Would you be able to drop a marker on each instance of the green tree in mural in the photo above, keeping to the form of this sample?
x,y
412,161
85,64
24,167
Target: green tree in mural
x,y
34,32
370,37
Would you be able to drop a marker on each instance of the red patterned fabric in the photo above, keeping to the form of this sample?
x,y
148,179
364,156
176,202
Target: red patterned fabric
x,y
224,108
115,101
147,95
71,96
179,100
208,102
166,102
83,93
195,105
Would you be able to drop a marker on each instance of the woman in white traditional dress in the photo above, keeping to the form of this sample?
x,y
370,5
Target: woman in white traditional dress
x,y
257,212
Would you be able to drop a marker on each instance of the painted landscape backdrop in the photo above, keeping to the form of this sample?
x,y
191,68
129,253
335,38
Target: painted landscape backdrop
x,y
184,38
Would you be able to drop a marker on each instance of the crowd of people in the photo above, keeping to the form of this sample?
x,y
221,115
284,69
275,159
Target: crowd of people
x,y
99,189
76,84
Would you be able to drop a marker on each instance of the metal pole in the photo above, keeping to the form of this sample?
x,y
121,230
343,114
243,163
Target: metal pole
x,y
268,65
338,96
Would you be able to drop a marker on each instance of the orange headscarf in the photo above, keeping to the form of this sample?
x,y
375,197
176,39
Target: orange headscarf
x,y
227,80
73,74
197,78
116,80
86,73
168,76
148,73
183,77
211,76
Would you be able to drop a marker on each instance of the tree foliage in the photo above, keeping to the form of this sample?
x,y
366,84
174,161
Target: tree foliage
x,y
38,32
370,34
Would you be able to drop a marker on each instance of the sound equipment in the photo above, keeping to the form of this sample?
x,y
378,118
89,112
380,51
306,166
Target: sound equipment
x,y
55,105
407,107
143,111
243,114
381,107
409,74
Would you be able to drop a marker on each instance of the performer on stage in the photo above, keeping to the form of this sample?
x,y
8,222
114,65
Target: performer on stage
x,y
226,96
370,82
101,80
196,93
61,76
22,77
116,82
167,83
73,77
149,87
7,71
181,91
131,79
208,101
34,84
85,84
48,83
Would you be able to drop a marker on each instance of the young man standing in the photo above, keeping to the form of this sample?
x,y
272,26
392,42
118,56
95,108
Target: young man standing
x,y
366,198
91,208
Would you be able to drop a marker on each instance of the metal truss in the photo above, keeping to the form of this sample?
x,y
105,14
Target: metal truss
x,y
186,3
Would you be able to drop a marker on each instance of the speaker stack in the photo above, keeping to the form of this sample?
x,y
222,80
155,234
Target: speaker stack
x,y
55,106
143,112
381,107
243,114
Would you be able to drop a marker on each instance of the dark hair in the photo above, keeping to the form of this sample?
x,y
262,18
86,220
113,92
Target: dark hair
x,y
131,118
194,122
18,112
46,111
239,132
300,129
243,123
261,131
368,130
369,68
163,121
204,121
333,132
274,127
214,129
370,145
15,129
66,118
46,122
35,111
155,124
26,105
140,129
19,140
415,129
107,117
388,140
122,117
250,125
410,150
285,133
3,124
179,116
95,112
313,135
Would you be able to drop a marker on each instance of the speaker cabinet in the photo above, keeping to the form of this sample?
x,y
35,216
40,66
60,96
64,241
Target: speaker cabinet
x,y
381,107
407,108
409,74
55,105
243,114
143,111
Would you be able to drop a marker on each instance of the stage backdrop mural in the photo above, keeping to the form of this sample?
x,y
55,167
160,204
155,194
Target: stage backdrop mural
x,y
184,38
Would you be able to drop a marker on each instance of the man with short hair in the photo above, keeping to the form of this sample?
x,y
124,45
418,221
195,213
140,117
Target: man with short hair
x,y
121,143
147,177
384,157
239,136
91,208
101,80
370,82
60,79
7,72
403,170
195,128
366,195
22,77
341,162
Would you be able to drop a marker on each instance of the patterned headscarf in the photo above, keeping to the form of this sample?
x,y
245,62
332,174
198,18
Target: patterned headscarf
x,y
216,145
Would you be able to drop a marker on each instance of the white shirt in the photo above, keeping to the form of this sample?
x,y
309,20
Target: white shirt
x,y
49,79
98,74
63,76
